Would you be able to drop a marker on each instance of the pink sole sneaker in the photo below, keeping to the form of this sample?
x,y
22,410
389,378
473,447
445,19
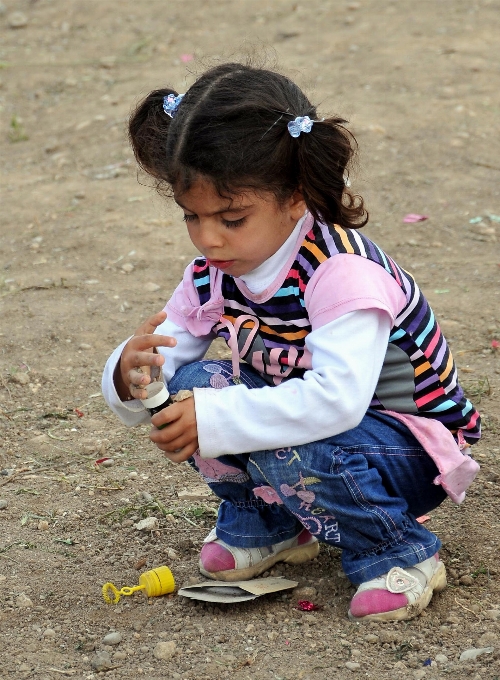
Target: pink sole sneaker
x,y
223,562
400,594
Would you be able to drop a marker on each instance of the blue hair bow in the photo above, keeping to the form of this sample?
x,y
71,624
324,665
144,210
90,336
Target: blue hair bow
x,y
300,124
171,104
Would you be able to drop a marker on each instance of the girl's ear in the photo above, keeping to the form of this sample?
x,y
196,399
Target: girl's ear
x,y
296,205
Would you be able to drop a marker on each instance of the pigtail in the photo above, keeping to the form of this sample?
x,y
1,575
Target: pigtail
x,y
324,156
149,127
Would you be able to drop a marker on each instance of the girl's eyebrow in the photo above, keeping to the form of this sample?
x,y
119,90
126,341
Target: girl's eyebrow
x,y
218,212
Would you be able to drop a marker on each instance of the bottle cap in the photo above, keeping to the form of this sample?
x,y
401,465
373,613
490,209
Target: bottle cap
x,y
157,395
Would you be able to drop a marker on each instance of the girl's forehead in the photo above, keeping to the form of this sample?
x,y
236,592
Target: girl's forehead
x,y
203,191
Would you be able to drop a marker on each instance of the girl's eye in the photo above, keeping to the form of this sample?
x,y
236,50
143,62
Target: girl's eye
x,y
233,223
188,218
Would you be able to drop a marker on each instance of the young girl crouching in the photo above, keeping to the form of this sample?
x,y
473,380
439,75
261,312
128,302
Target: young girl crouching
x,y
339,418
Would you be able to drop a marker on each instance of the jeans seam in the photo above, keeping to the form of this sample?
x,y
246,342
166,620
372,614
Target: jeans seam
x,y
373,509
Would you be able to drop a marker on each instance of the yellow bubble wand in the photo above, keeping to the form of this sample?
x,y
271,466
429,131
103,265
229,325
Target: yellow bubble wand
x,y
156,582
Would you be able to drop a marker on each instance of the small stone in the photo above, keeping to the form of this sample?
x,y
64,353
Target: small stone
x,y
3,504
43,525
151,287
49,633
171,554
128,523
20,378
164,650
352,665
84,345
492,614
371,638
119,656
133,475
487,639
113,638
23,601
101,661
24,668
196,493
144,649
473,653
109,462
147,497
305,593
128,267
17,20
148,524
107,62
441,658
421,673
3,9
466,580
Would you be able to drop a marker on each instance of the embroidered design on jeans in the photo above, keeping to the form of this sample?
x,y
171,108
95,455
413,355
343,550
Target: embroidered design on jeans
x,y
307,497
281,454
214,471
268,494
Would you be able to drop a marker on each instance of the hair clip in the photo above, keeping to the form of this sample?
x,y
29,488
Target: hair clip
x,y
171,104
300,124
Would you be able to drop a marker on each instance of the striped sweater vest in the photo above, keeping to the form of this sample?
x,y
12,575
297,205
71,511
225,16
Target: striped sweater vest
x,y
418,375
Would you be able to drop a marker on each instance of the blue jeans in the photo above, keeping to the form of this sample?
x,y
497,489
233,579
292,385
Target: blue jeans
x,y
360,490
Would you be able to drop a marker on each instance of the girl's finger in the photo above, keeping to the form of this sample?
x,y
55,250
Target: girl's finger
x,y
151,324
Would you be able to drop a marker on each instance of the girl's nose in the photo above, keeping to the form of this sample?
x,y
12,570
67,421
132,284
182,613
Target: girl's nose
x,y
209,235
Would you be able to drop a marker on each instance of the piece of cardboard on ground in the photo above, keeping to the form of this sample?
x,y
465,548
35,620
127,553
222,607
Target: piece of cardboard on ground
x,y
237,591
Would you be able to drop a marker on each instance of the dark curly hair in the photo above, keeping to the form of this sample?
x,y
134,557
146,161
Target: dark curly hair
x,y
231,128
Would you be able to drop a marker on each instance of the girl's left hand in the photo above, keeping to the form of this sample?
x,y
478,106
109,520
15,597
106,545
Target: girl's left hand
x,y
179,439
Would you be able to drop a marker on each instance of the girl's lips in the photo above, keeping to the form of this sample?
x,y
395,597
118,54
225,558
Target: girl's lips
x,y
221,264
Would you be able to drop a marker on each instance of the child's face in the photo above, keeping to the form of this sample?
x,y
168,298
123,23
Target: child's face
x,y
238,234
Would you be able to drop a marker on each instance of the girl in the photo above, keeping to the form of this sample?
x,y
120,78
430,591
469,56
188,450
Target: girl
x,y
346,421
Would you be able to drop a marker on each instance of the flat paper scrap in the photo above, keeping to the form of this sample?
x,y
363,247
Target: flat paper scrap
x,y
237,591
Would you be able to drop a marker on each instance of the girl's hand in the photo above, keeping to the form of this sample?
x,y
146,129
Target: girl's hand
x,y
179,439
139,352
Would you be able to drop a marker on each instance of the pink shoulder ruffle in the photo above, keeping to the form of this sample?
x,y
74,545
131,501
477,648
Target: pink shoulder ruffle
x,y
184,307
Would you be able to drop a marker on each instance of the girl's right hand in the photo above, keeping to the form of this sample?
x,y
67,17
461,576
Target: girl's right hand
x,y
139,352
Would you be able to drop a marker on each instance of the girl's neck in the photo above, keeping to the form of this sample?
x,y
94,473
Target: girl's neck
x,y
262,276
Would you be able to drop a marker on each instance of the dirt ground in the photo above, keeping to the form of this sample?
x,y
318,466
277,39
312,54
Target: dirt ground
x,y
87,252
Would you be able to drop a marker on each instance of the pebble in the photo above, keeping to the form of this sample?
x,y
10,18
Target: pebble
x,y
466,580
17,20
171,554
151,287
164,650
473,653
148,524
352,665
441,658
84,345
113,638
119,656
3,504
421,673
101,661
43,525
305,593
128,267
371,638
49,633
20,378
144,649
23,601
147,497
3,9
133,475
109,462
492,614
